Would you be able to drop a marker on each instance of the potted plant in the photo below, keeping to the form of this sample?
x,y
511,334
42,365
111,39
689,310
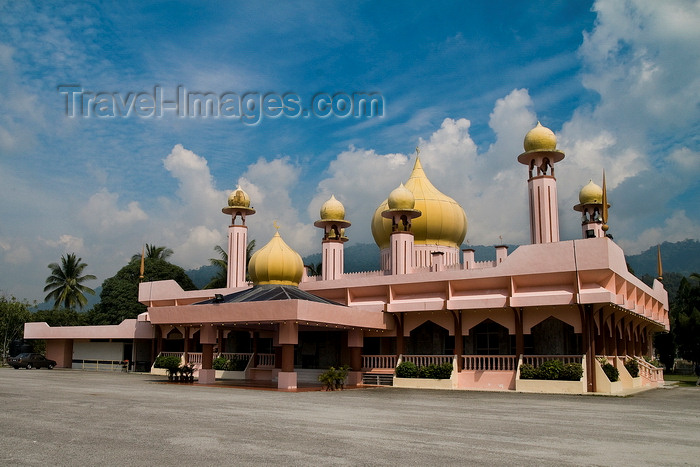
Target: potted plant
x,y
170,363
186,373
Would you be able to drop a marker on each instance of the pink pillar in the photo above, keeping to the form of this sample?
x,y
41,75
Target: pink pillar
x,y
355,343
332,265
207,337
401,252
544,215
237,244
287,337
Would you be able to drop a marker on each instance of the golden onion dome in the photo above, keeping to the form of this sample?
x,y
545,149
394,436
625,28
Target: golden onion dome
x,y
332,210
540,138
276,263
442,222
239,198
401,198
591,194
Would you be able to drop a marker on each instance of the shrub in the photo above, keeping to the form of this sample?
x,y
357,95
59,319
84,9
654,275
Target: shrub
x,y
443,371
611,372
236,365
571,372
427,372
169,363
551,369
407,370
219,363
334,378
528,371
632,368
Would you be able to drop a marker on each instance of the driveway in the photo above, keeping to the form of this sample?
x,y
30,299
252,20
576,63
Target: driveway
x,y
70,417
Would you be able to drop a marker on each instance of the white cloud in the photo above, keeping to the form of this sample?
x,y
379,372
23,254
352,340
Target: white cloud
x,y
102,213
68,243
271,186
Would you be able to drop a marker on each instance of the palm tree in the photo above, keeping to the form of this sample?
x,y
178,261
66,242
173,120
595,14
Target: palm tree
x,y
220,279
155,252
314,269
65,282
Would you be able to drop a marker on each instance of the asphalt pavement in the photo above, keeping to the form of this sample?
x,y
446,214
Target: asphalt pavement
x,y
72,417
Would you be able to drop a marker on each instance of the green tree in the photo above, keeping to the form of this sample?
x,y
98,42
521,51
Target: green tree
x,y
685,314
119,296
65,282
13,315
57,317
219,281
315,269
154,252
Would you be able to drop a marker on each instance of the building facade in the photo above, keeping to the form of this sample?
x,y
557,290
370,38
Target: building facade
x,y
430,302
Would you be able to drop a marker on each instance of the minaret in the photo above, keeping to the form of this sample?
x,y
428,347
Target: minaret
x,y
540,156
401,203
333,224
591,208
238,205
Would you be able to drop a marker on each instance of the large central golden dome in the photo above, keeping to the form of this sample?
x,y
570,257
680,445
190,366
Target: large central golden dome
x,y
276,263
443,221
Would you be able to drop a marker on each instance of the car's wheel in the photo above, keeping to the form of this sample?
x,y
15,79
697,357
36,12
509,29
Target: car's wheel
x,y
50,367
29,366
16,368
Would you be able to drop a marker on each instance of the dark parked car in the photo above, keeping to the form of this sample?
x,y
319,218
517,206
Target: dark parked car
x,y
30,360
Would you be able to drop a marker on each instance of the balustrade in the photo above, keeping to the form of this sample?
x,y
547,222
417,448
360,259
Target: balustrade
x,y
489,362
379,361
425,360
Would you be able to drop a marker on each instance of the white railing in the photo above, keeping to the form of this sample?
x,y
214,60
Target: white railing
x,y
649,371
537,360
194,358
425,360
236,356
379,361
171,354
266,360
101,365
489,362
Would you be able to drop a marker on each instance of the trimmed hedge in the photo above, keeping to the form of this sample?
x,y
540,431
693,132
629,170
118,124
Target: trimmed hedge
x,y
221,363
432,371
552,370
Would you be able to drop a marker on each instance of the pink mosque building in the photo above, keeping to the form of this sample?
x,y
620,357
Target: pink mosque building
x,y
574,301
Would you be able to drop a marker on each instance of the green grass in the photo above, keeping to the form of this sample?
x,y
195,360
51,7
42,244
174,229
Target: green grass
x,y
684,380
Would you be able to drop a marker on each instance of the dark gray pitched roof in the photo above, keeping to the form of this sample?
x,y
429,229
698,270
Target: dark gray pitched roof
x,y
269,292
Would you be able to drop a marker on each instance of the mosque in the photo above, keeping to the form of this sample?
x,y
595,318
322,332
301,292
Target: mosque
x,y
430,302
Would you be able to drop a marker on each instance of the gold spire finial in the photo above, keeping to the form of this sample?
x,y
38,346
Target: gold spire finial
x,y
605,226
275,225
417,151
143,254
659,267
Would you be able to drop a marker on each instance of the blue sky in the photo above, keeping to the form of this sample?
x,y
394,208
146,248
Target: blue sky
x,y
617,82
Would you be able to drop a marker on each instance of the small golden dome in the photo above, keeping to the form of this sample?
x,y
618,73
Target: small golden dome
x,y
540,138
591,194
276,263
332,210
239,198
401,199
442,220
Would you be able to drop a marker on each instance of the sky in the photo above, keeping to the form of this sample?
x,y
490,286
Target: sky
x,y
103,147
